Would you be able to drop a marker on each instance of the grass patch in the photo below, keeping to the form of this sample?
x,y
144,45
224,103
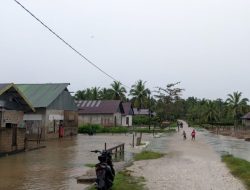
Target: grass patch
x,y
239,168
95,128
90,165
148,155
125,181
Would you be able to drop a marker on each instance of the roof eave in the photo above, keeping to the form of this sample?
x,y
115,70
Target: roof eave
x,y
25,99
6,88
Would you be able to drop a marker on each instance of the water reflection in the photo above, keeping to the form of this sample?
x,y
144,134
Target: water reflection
x,y
56,166
229,145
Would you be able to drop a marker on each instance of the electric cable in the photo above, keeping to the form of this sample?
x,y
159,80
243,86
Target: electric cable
x,y
70,46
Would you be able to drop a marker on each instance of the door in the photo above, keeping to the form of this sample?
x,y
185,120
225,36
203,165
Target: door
x,y
14,135
1,119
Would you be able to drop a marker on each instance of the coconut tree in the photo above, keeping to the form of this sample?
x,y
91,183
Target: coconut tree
x,y
140,94
236,105
80,95
118,91
210,112
106,94
95,93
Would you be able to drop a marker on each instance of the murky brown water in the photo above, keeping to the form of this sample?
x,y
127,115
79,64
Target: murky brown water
x,y
54,167
57,166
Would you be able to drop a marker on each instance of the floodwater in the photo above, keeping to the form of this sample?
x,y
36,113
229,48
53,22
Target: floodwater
x,y
56,166
228,145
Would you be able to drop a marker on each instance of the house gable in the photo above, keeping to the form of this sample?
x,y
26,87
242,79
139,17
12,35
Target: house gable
x,y
63,102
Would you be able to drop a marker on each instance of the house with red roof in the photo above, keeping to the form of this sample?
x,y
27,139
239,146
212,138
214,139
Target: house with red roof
x,y
103,112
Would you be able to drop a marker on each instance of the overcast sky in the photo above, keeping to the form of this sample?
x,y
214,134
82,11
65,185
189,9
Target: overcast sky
x,y
205,44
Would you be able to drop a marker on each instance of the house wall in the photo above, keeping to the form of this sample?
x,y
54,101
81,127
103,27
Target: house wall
x,y
35,123
124,119
101,119
118,119
6,140
246,123
70,123
12,116
52,121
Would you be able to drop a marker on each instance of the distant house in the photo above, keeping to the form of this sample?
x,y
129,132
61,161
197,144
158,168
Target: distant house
x,y
143,112
246,120
13,106
127,115
102,112
54,106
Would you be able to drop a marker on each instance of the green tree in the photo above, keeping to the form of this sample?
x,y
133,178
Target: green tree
x,y
118,91
210,112
167,98
106,94
140,95
237,104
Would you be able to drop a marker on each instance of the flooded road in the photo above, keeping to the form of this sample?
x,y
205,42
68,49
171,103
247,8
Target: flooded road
x,y
56,166
228,145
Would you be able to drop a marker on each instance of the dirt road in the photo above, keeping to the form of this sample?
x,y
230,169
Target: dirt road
x,y
188,165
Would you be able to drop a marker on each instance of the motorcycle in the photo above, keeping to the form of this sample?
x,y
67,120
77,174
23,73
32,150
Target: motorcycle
x,y
105,172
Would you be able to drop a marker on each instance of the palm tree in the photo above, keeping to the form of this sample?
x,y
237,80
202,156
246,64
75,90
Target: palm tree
x,y
80,95
236,104
95,93
211,113
118,91
139,94
106,94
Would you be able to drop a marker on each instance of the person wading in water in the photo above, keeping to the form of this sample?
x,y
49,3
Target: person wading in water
x,y
184,135
193,135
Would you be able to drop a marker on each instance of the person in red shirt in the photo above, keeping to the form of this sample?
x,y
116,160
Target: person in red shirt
x,y
193,135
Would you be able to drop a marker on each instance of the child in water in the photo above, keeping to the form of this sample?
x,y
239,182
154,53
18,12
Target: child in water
x,y
193,135
184,135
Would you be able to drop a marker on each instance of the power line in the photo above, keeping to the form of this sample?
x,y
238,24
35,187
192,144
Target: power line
x,y
70,46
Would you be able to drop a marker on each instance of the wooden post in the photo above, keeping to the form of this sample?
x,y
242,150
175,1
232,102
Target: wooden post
x,y
133,142
116,152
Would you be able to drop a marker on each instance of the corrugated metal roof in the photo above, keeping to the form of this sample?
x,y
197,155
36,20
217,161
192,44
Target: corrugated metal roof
x,y
128,110
99,106
247,116
42,95
5,87
138,111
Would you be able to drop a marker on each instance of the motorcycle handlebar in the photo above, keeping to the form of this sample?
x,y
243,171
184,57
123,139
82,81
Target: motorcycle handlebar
x,y
95,151
98,151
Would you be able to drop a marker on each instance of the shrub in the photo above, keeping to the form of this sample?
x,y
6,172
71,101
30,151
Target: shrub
x,y
95,128
88,128
140,120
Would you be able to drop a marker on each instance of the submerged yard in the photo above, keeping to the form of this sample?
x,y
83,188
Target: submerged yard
x,y
57,165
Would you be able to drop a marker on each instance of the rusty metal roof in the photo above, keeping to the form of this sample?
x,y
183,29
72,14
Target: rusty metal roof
x,y
99,106
42,95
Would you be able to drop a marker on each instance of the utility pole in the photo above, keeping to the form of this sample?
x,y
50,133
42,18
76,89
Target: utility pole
x,y
149,112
